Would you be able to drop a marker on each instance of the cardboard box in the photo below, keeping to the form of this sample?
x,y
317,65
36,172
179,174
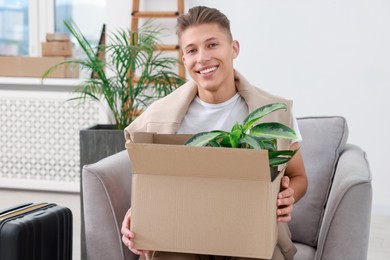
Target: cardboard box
x,y
18,66
57,49
57,37
204,200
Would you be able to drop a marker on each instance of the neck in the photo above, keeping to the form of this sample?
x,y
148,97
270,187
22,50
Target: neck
x,y
215,98
218,95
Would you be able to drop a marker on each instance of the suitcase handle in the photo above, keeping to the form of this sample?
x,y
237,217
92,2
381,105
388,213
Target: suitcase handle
x,y
21,210
17,207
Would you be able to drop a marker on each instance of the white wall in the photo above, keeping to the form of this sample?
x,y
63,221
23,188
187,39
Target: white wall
x,y
330,57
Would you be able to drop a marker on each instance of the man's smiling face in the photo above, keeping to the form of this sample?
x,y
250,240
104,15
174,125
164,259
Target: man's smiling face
x,y
208,57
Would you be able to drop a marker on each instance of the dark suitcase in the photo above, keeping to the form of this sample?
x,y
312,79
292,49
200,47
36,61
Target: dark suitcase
x,y
36,232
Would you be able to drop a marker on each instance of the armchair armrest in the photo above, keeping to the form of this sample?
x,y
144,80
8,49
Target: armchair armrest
x,y
346,224
106,189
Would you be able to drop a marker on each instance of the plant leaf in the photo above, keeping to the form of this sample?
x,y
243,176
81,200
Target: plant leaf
x,y
288,153
281,156
204,138
273,130
235,127
234,137
214,143
225,141
261,112
265,143
278,160
269,144
251,141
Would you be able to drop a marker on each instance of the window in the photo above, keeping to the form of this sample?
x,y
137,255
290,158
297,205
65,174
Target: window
x,y
89,16
24,23
14,31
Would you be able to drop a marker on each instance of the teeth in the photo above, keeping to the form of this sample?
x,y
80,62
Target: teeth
x,y
208,70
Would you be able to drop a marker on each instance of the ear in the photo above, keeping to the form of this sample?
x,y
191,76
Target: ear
x,y
236,49
183,60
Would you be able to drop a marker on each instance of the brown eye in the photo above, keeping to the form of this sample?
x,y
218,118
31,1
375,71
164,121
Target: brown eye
x,y
191,51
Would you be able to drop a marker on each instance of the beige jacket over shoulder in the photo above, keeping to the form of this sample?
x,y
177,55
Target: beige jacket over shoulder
x,y
165,115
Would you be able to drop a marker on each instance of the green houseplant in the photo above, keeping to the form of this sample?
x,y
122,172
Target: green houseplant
x,y
126,80
248,135
130,77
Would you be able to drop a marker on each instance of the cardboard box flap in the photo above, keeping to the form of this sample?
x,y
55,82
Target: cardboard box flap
x,y
154,138
183,160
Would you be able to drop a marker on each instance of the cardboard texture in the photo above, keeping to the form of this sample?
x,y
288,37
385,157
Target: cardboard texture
x,y
57,49
203,200
35,67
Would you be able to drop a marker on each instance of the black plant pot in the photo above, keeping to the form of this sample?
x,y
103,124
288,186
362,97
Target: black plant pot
x,y
98,142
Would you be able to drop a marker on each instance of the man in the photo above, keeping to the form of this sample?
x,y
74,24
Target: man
x,y
216,98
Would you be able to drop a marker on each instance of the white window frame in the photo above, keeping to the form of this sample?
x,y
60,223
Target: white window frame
x,y
41,21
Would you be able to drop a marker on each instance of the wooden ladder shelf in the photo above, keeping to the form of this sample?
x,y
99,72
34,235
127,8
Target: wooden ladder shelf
x,y
137,14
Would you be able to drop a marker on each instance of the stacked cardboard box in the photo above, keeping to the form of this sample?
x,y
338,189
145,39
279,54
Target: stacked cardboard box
x,y
57,45
18,66
55,50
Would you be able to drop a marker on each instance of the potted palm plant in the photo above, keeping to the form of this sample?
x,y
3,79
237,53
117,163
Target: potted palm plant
x,y
131,76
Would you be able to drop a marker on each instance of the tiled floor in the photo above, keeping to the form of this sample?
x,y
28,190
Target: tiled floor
x,y
379,248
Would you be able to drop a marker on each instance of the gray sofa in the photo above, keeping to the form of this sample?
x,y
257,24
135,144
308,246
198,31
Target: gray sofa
x,y
332,221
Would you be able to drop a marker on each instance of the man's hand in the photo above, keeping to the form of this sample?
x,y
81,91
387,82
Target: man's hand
x,y
285,201
128,236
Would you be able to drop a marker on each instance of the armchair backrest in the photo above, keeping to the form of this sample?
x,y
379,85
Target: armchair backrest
x,y
324,138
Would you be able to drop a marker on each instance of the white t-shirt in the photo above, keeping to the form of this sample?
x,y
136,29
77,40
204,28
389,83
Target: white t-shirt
x,y
203,117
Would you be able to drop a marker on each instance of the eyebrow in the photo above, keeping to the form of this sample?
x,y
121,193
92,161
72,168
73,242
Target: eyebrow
x,y
207,40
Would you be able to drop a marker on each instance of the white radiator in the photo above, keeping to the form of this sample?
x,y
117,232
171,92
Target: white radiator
x,y
39,142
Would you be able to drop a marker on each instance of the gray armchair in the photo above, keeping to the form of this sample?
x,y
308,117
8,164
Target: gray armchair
x,y
332,221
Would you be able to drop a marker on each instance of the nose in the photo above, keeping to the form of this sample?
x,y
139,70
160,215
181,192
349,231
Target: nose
x,y
203,56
